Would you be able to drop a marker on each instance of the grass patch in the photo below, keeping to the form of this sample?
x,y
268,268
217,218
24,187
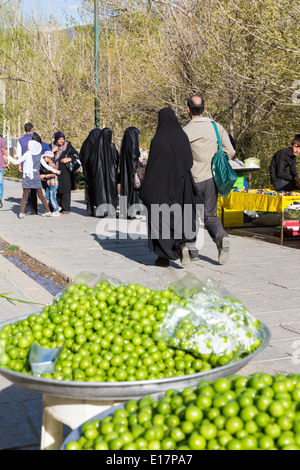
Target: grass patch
x,y
12,248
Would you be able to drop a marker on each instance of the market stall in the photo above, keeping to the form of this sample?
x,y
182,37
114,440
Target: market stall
x,y
102,343
260,200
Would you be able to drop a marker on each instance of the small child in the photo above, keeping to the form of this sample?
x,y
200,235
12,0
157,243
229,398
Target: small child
x,y
52,184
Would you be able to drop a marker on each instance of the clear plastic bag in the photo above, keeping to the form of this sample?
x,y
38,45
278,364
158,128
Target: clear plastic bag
x,y
43,360
212,321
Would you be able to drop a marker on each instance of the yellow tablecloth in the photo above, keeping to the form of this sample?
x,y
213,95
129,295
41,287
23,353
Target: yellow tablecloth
x,y
253,201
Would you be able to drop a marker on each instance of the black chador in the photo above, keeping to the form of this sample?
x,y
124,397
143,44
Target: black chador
x,y
129,161
86,157
101,162
168,190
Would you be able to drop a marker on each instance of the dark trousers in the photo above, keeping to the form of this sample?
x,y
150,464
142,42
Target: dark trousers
x,y
64,201
283,185
33,200
207,199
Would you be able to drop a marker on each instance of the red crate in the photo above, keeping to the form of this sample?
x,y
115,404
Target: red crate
x,y
295,224
292,227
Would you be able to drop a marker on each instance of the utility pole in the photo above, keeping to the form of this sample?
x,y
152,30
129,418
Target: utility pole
x,y
96,14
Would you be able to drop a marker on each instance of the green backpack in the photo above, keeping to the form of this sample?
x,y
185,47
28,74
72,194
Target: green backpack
x,y
223,173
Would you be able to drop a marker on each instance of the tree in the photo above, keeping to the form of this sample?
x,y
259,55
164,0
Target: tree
x,y
242,57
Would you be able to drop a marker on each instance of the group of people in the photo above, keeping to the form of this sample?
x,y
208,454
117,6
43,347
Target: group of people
x,y
179,173
178,176
44,167
105,169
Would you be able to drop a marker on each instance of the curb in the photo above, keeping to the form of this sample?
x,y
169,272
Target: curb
x,y
60,271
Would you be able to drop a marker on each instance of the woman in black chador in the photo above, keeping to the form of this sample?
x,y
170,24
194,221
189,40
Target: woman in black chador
x,y
100,164
129,161
86,157
168,181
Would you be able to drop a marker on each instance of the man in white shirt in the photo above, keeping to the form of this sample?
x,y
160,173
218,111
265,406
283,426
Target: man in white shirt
x,y
204,145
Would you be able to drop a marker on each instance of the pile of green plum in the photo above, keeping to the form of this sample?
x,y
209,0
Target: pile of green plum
x,y
108,333
257,412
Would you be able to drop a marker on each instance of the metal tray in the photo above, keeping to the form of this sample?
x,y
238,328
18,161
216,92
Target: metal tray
x,y
76,433
122,391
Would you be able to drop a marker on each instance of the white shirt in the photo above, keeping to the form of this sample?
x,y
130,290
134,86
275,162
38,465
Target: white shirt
x,y
25,156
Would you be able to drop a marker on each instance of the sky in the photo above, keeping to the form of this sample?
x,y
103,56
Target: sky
x,y
58,8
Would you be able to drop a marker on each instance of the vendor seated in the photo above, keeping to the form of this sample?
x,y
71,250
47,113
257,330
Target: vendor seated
x,y
283,160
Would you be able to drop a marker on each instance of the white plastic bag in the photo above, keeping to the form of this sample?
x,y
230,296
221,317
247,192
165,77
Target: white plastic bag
x,y
211,322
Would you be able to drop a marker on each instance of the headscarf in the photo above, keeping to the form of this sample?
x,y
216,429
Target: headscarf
x,y
58,135
85,153
61,148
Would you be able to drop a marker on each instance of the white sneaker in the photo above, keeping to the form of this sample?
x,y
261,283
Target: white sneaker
x,y
47,214
55,214
224,250
21,216
184,255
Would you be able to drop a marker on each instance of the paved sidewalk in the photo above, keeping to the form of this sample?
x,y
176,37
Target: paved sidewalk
x,y
264,276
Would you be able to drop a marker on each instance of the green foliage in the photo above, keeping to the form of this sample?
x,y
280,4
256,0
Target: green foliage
x,y
13,172
6,296
241,56
12,248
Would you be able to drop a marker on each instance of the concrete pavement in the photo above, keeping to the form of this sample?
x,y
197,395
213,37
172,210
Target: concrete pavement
x,y
264,276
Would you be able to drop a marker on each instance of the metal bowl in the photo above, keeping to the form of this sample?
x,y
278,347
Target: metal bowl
x,y
123,391
76,433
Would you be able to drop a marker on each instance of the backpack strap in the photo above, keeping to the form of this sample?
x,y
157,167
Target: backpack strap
x,y
218,135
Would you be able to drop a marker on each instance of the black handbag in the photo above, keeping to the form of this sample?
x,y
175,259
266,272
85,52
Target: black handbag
x,y
73,166
138,177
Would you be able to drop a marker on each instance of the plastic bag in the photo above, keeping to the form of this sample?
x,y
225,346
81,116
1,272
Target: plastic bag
x,y
43,360
252,162
211,322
